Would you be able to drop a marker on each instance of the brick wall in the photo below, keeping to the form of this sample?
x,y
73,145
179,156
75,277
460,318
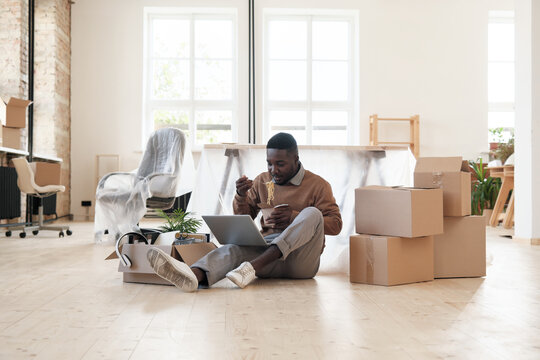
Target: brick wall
x,y
52,64
14,48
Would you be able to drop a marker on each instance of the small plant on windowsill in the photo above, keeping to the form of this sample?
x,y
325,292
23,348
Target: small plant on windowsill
x,y
179,221
496,137
484,189
505,149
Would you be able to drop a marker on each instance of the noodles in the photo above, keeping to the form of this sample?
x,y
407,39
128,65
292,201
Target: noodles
x,y
270,188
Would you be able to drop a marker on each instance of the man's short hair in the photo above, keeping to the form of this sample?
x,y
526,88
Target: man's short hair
x,y
283,141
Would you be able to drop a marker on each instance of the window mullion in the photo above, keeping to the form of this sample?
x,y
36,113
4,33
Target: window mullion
x,y
309,80
192,123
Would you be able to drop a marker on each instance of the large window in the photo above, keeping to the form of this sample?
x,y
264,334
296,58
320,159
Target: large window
x,y
501,73
306,74
191,82
308,77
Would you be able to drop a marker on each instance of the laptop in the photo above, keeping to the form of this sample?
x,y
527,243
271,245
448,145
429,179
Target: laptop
x,y
235,229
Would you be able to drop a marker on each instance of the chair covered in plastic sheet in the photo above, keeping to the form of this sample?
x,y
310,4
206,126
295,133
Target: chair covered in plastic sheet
x,y
166,171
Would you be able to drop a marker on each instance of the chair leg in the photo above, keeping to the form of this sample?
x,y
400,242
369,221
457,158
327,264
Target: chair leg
x,y
41,226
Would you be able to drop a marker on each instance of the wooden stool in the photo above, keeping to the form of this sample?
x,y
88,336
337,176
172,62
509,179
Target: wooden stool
x,y
506,173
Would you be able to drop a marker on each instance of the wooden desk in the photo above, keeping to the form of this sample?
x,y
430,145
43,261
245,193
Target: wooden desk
x,y
506,173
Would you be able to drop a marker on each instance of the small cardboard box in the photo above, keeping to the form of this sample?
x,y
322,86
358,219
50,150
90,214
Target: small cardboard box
x,y
450,174
46,173
11,138
141,271
461,250
13,113
384,260
398,211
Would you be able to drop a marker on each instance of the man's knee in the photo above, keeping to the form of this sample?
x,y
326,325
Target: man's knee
x,y
312,214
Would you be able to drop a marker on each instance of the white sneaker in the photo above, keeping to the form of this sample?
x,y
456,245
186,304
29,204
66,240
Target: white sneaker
x,y
242,275
172,270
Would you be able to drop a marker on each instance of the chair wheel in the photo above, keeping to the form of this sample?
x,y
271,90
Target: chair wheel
x,y
35,232
61,234
69,232
8,233
22,235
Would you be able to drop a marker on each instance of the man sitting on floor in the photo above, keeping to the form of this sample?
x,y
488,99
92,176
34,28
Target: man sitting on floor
x,y
295,231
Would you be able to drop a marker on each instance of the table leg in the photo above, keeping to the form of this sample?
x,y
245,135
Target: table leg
x,y
509,215
499,204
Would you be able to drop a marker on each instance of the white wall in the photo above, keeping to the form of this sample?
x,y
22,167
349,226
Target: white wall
x,y
527,200
426,57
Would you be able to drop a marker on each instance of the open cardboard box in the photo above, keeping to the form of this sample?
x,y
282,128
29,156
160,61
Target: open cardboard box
x,y
140,270
398,211
450,174
461,250
386,260
13,113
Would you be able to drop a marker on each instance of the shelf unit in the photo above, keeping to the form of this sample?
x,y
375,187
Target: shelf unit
x,y
414,132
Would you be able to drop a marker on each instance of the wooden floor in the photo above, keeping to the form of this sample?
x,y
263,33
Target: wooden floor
x,y
60,300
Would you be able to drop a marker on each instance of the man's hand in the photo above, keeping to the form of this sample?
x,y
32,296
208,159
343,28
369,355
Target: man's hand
x,y
280,217
243,185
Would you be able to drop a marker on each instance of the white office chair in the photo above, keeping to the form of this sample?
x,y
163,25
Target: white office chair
x,y
27,184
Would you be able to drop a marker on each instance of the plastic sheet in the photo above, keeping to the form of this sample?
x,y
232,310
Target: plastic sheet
x,y
345,168
166,171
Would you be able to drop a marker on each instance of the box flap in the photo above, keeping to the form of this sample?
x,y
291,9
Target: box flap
x,y
442,164
18,102
190,253
2,112
113,254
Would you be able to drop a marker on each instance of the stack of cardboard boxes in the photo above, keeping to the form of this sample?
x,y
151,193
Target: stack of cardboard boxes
x,y
400,230
13,119
461,250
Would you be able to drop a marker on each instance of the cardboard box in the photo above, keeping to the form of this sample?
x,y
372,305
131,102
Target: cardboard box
x,y
461,250
398,211
384,260
141,271
11,138
46,173
13,113
450,174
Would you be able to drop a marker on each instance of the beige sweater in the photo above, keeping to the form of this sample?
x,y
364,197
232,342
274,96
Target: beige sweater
x,y
312,191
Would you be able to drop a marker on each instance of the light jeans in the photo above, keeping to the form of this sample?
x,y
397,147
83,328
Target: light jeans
x,y
300,243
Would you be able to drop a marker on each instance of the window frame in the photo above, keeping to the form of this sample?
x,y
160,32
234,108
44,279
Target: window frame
x,y
190,105
309,105
501,17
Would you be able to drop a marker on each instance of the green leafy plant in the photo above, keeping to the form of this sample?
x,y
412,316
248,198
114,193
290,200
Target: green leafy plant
x,y
497,135
484,189
180,221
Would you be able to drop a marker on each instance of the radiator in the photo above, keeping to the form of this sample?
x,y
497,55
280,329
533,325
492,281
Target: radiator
x,y
10,195
49,205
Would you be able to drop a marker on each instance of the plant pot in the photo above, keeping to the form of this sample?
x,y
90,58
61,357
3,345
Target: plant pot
x,y
487,215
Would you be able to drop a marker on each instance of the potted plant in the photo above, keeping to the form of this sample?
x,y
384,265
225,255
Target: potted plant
x,y
181,222
496,137
484,190
505,149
